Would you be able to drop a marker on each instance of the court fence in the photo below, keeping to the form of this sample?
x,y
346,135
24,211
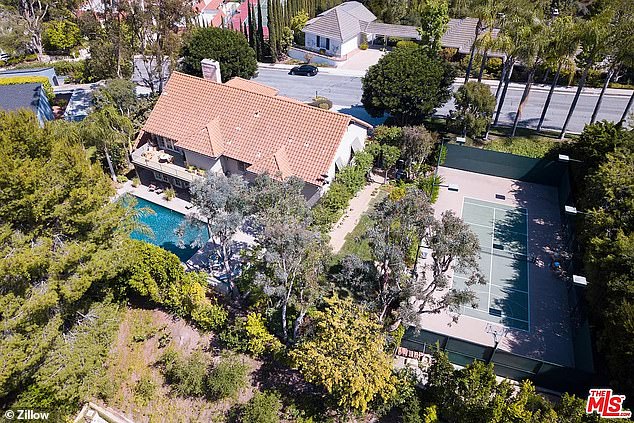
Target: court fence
x,y
505,364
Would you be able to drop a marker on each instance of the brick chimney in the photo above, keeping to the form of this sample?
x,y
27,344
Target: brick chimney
x,y
211,70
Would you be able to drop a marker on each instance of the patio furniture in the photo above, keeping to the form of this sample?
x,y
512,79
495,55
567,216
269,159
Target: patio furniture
x,y
151,187
159,191
189,206
165,158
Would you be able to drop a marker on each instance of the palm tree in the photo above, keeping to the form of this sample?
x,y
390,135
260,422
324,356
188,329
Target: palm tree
x,y
530,53
561,47
620,48
486,12
594,43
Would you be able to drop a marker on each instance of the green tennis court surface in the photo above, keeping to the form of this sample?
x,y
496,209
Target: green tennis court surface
x,y
502,231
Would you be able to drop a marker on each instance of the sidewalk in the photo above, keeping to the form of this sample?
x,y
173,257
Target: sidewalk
x,y
358,205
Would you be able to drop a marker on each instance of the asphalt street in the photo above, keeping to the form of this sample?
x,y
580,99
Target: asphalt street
x,y
345,92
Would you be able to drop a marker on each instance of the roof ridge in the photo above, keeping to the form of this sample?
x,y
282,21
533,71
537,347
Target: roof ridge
x,y
275,97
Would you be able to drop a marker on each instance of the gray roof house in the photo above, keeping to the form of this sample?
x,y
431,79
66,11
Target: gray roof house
x,y
339,31
26,96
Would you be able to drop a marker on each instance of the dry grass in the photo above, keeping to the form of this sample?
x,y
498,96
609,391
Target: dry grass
x,y
135,355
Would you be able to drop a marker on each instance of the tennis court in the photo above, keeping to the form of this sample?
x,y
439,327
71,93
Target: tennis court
x,y
503,234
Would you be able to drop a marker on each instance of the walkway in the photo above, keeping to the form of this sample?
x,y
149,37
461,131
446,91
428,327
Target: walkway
x,y
358,205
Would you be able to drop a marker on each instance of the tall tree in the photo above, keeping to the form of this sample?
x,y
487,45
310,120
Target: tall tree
x,y
156,38
532,42
594,38
619,47
563,40
293,268
345,355
474,109
228,47
395,285
221,204
486,12
434,20
409,83
261,47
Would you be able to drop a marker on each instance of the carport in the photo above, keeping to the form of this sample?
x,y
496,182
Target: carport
x,y
390,30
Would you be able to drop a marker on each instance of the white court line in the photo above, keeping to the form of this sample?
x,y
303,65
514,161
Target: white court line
x,y
510,208
491,264
491,227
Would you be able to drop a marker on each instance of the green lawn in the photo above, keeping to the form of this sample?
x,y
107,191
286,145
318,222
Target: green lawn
x,y
354,244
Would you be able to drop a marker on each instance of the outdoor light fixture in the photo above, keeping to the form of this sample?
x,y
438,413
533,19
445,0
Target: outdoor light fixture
x,y
571,210
563,158
579,280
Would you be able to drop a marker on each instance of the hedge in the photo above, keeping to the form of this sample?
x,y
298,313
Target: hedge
x,y
345,186
75,70
16,80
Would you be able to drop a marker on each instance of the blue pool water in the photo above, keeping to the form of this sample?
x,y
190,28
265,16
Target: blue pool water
x,y
164,224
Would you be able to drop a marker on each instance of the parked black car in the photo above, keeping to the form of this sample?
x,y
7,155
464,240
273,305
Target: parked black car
x,y
306,70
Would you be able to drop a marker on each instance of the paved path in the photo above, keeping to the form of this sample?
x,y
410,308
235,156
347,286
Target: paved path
x,y
358,205
343,88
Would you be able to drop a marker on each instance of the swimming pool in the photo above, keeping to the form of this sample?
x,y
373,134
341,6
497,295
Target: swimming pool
x,y
164,224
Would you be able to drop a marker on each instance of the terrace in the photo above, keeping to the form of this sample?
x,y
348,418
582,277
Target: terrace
x,y
172,163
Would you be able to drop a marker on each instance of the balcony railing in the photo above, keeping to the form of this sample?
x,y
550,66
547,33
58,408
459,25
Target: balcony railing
x,y
149,158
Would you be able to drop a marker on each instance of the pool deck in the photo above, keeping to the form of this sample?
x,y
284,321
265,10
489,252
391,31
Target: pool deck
x,y
177,204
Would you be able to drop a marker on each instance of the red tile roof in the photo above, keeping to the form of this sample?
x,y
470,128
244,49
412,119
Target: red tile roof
x,y
271,133
248,85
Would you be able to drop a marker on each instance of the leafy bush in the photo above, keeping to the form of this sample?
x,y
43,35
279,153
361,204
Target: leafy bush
x,y
169,194
122,179
264,407
187,375
227,378
363,46
210,317
144,390
17,80
346,184
406,44
534,147
390,135
136,181
321,102
494,66
251,336
60,35
431,185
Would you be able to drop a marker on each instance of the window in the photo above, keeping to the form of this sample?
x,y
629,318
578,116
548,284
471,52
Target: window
x,y
242,166
167,144
160,177
178,183
323,42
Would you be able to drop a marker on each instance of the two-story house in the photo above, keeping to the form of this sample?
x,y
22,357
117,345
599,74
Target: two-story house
x,y
242,127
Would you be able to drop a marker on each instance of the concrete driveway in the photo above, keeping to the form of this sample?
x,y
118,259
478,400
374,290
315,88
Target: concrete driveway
x,y
361,60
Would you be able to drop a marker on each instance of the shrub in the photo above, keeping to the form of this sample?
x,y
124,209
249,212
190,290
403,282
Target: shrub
x,y
363,46
390,135
251,336
431,185
346,184
227,378
406,44
321,102
169,194
494,66
210,316
122,179
136,181
144,390
186,375
264,407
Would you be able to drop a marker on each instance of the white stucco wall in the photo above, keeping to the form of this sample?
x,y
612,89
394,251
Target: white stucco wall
x,y
344,152
349,46
200,160
310,41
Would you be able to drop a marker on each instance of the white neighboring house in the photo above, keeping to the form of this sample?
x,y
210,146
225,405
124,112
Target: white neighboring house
x,y
341,30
